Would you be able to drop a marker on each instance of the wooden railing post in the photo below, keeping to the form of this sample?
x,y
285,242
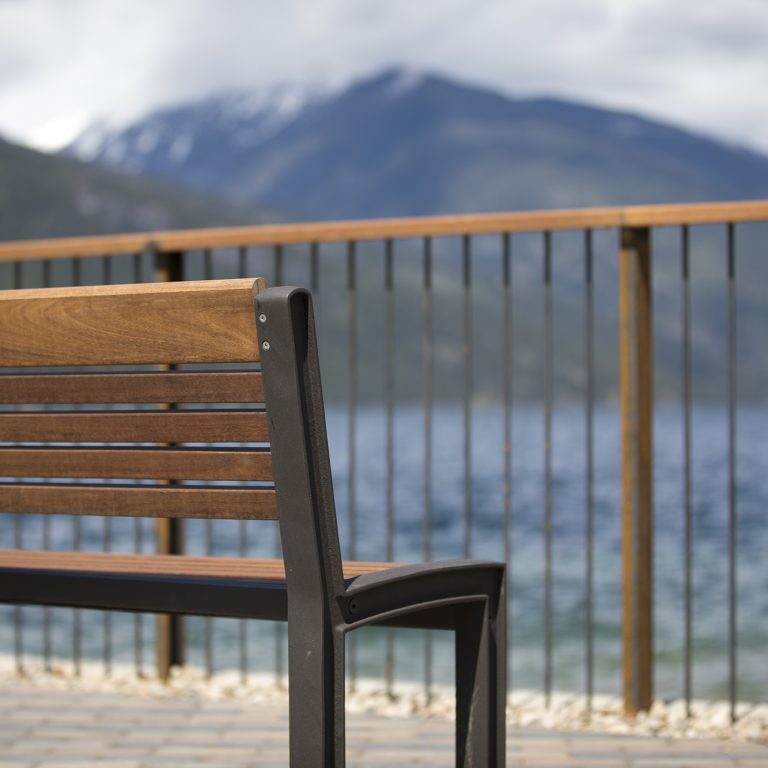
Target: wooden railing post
x,y
169,533
636,384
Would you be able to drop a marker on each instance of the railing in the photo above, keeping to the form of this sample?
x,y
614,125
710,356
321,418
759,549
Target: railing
x,y
465,296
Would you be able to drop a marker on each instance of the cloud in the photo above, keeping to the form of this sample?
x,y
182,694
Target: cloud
x,y
698,62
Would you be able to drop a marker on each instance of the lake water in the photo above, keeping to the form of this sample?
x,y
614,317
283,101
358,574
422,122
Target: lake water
x,y
710,551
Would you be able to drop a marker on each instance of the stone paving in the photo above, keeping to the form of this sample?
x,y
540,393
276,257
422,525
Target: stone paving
x,y
42,726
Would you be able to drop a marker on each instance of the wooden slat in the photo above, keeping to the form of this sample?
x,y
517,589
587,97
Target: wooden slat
x,y
161,464
187,322
135,427
160,387
223,567
378,229
139,501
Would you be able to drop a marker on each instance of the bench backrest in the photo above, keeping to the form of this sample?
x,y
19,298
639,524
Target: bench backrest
x,y
139,437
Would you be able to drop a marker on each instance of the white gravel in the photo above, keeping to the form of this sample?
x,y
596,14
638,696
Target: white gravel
x,y
566,711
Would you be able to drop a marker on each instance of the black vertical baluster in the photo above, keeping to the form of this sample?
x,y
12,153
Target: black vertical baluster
x,y
207,264
352,426
18,542
685,322
547,467
106,266
506,261
277,265
589,362
138,539
77,651
242,269
466,256
77,542
277,279
428,397
732,518
390,437
243,639
314,285
242,261
314,268
208,275
47,526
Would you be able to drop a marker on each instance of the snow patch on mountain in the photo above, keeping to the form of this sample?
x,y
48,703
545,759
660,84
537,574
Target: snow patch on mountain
x,y
181,147
403,81
91,142
244,119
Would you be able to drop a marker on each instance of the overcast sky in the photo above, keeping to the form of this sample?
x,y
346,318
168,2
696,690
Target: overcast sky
x,y
67,63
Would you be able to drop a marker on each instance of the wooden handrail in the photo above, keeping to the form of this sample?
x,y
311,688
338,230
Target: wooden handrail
x,y
377,229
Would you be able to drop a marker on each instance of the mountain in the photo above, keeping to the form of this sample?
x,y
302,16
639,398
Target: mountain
x,y
45,195
403,143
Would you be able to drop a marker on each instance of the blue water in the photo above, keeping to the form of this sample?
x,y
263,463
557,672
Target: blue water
x,y
710,548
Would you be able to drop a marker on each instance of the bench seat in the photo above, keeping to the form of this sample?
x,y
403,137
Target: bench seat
x,y
164,565
223,586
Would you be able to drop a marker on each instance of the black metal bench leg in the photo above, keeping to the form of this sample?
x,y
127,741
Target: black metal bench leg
x,y
481,684
316,697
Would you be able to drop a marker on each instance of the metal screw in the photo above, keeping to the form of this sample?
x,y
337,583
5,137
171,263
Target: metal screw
x,y
262,318
265,346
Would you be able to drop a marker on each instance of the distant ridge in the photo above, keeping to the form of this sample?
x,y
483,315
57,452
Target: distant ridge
x,y
409,143
45,195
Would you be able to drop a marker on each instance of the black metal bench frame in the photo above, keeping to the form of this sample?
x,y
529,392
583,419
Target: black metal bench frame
x,y
319,604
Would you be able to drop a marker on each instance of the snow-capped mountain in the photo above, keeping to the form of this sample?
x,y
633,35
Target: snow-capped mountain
x,y
196,142
407,143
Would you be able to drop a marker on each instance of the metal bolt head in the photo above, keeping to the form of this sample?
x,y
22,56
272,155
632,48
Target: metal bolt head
x,y
265,346
262,318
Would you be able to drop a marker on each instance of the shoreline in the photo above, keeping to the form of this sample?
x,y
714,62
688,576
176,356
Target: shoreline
x,y
525,708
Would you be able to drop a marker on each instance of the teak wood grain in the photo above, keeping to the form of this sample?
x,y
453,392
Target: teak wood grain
x,y
173,565
138,463
160,387
135,426
235,503
189,322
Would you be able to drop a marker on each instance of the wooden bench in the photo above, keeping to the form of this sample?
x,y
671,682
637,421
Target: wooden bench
x,y
210,323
